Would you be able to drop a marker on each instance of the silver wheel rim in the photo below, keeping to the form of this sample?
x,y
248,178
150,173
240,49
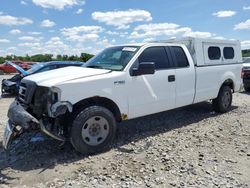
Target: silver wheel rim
x,y
95,130
226,99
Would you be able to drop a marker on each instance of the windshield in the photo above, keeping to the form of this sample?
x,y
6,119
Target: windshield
x,y
113,58
35,68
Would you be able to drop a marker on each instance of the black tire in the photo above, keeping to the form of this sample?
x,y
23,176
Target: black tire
x,y
84,134
223,102
247,88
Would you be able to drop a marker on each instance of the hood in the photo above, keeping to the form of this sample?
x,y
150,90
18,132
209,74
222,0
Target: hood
x,y
18,68
58,76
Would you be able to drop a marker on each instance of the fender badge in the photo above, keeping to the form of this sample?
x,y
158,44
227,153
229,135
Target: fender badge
x,y
119,82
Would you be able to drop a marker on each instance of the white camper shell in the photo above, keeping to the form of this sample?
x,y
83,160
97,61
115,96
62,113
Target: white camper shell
x,y
207,52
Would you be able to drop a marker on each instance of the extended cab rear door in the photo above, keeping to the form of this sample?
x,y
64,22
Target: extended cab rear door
x,y
184,75
152,93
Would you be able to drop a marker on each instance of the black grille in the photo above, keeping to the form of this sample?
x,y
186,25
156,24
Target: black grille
x,y
26,91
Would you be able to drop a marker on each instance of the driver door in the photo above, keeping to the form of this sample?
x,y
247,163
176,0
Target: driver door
x,y
152,93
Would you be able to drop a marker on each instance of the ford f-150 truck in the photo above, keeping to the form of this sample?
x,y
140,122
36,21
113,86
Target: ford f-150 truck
x,y
84,104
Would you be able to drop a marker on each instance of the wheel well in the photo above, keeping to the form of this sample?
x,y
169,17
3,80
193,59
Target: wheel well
x,y
100,101
229,83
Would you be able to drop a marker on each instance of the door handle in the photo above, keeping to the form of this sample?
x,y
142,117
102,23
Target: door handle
x,y
171,78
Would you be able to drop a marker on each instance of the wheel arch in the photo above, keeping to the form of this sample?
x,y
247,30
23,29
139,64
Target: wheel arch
x,y
99,101
228,82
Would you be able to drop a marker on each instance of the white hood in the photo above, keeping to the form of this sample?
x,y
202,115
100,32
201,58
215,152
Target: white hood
x,y
57,76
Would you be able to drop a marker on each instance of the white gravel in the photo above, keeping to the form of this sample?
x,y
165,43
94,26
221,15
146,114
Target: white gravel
x,y
186,147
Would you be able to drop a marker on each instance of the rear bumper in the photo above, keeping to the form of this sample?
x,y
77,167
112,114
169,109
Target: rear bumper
x,y
246,82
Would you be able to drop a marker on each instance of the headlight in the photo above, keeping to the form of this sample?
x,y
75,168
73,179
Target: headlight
x,y
55,94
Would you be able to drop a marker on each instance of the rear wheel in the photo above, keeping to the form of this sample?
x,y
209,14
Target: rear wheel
x,y
1,72
224,100
93,130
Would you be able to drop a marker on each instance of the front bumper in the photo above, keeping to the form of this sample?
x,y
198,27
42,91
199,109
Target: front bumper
x,y
18,116
19,121
8,135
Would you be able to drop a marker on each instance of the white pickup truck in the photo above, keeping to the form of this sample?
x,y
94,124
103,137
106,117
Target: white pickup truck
x,y
84,104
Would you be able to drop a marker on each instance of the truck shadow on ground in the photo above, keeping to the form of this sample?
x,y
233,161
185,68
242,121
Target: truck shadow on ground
x,y
25,155
245,92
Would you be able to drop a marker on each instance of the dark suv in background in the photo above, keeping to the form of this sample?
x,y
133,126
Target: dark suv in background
x,y
246,74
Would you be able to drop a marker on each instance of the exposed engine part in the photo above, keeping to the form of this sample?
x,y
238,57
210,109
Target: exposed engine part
x,y
45,126
60,108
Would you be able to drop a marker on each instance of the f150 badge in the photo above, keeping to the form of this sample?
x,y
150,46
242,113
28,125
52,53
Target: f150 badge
x,y
119,82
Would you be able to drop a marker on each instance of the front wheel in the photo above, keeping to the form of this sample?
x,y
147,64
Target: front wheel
x,y
224,100
93,130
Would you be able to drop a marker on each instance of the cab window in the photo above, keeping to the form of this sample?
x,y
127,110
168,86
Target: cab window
x,y
157,55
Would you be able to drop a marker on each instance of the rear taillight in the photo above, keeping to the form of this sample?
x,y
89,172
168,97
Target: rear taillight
x,y
242,72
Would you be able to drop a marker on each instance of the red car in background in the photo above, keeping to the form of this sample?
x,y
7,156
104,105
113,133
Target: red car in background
x,y
6,68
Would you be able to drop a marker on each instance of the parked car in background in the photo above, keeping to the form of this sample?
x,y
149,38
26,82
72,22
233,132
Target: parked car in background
x,y
6,68
246,74
11,86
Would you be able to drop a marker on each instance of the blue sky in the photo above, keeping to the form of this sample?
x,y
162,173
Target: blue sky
x,y
75,26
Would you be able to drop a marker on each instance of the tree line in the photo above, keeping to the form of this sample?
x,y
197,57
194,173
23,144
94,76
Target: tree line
x,y
47,57
246,53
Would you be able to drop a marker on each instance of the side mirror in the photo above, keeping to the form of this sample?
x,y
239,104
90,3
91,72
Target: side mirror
x,y
144,68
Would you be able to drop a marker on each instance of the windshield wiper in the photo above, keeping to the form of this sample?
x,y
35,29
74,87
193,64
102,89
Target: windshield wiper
x,y
95,66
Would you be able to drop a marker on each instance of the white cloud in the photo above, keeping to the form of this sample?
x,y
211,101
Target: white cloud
x,y
245,44
47,23
152,31
219,38
34,33
57,4
4,41
11,20
198,34
122,19
242,25
224,13
112,33
29,44
79,11
23,2
246,8
11,48
115,33
148,40
30,38
26,38
82,33
156,29
15,31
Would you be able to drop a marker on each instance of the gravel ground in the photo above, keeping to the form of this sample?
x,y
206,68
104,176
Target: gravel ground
x,y
186,147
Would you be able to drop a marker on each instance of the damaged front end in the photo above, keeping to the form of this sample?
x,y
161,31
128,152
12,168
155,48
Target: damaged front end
x,y
35,108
